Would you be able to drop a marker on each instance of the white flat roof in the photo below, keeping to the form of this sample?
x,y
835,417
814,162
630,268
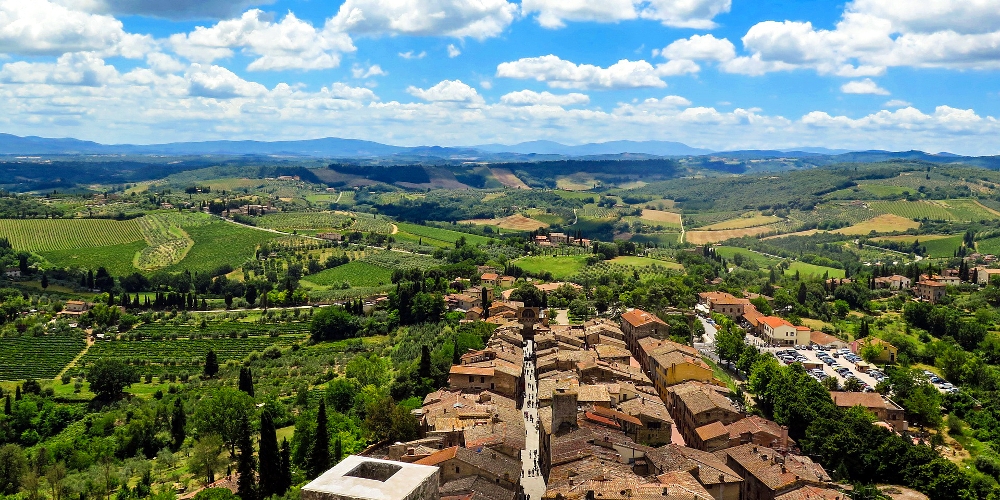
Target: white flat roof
x,y
336,481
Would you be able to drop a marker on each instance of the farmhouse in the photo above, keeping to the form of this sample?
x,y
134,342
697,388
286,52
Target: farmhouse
x,y
931,291
887,351
894,282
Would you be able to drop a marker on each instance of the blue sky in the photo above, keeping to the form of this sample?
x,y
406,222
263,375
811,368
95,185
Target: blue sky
x,y
720,74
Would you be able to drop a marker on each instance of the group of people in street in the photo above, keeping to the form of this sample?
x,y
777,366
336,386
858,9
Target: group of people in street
x,y
531,468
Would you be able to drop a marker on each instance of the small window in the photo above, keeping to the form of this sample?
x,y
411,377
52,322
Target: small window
x,y
471,379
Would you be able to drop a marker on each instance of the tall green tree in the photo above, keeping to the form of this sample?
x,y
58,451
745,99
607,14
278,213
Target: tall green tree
x,y
177,423
13,466
246,381
318,460
269,457
338,451
333,323
425,362
211,364
109,377
285,478
246,465
222,413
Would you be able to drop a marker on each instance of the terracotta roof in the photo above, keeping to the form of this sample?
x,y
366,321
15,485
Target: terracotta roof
x,y
821,338
762,463
471,370
480,488
711,431
703,400
593,417
774,321
638,317
711,469
486,460
617,415
754,424
649,408
810,492
489,277
864,399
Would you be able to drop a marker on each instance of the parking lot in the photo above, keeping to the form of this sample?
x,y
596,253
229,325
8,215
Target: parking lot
x,y
847,367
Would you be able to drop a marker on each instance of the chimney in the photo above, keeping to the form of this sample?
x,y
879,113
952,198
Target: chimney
x,y
784,437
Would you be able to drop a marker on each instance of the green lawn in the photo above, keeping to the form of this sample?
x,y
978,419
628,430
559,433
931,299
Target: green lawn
x,y
814,270
560,267
356,273
630,260
431,234
944,247
729,252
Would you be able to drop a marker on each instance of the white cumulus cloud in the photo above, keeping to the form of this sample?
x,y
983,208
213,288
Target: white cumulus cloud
x,y
479,19
219,83
453,91
289,44
559,73
41,27
532,98
701,48
866,86
359,71
453,51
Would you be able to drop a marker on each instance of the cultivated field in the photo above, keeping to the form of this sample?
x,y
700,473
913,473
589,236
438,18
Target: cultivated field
x,y
167,243
440,235
219,243
882,224
38,357
914,209
560,267
704,237
742,223
805,269
661,217
514,222
182,355
633,261
45,235
576,182
356,273
938,246
304,221
507,178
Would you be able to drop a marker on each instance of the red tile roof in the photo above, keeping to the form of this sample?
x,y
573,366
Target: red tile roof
x,y
638,317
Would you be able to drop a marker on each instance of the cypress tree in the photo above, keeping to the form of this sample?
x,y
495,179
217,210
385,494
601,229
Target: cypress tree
x,y
803,293
177,423
269,457
456,357
246,486
338,451
425,362
211,364
17,393
285,478
318,460
246,381
6,406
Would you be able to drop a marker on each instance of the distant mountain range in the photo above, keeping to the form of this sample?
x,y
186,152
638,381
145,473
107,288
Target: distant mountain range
x,y
525,151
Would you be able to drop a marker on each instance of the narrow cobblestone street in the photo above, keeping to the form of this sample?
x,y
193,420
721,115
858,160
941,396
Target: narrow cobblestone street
x,y
532,481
